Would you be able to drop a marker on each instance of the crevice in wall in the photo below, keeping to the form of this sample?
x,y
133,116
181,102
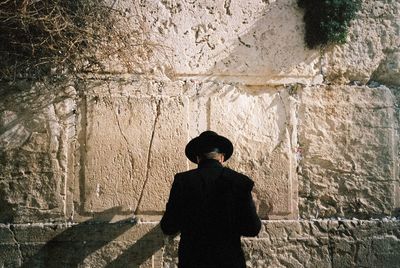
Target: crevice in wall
x,y
128,146
227,6
331,250
14,237
355,259
82,138
209,113
158,112
321,63
287,124
60,152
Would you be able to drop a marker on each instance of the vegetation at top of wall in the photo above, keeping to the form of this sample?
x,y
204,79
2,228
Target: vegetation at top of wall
x,y
327,21
59,36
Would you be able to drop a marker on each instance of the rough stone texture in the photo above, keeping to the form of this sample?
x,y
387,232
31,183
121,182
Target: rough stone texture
x,y
371,47
388,72
115,146
228,40
100,148
35,138
323,243
349,143
132,151
263,144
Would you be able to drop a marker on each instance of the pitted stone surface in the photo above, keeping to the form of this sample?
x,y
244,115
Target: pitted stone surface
x,y
319,243
388,72
372,38
98,147
133,151
228,40
349,152
34,140
261,129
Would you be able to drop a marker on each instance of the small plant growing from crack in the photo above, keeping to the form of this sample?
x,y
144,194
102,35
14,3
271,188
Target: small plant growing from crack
x,y
327,21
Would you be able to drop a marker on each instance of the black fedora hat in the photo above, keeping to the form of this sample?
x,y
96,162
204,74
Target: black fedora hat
x,y
207,142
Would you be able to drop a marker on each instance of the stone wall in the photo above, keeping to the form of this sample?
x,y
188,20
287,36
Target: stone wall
x,y
86,162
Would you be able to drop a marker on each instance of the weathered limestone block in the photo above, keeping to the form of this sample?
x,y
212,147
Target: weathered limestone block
x,y
254,42
386,250
88,244
388,72
133,147
9,255
322,243
261,127
372,38
349,152
167,155
36,129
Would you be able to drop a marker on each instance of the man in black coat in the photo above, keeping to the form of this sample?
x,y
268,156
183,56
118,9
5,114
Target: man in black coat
x,y
211,207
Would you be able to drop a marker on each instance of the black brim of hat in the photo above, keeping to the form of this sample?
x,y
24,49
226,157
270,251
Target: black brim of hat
x,y
201,144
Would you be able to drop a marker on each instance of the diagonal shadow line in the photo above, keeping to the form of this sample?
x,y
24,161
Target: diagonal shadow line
x,y
72,246
141,251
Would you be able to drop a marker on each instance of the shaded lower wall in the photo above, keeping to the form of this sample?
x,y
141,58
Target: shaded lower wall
x,y
319,243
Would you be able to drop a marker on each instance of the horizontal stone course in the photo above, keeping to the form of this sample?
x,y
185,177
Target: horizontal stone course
x,y
281,243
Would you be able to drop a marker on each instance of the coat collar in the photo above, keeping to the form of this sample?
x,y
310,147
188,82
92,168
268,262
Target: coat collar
x,y
209,163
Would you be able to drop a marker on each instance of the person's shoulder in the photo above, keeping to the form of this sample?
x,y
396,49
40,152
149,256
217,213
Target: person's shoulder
x,y
185,174
233,173
239,179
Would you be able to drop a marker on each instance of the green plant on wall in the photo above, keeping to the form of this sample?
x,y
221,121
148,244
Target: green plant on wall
x,y
327,21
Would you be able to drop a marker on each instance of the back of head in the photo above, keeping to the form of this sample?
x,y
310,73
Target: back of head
x,y
213,153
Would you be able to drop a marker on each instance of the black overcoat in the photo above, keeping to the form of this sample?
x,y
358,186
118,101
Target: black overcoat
x,y
211,207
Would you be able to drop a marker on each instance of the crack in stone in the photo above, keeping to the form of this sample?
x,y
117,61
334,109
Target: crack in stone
x,y
149,156
208,113
356,252
14,236
243,43
130,153
82,138
321,60
288,127
131,158
227,6
62,168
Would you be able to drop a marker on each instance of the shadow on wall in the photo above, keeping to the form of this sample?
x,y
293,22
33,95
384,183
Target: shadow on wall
x,y
272,47
141,251
32,115
24,107
82,244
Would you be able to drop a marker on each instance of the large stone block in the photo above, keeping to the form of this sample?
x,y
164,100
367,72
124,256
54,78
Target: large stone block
x,y
228,40
349,152
261,127
36,130
10,256
371,43
388,71
133,147
385,251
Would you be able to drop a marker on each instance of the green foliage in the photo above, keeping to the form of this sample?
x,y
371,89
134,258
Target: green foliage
x,y
327,21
